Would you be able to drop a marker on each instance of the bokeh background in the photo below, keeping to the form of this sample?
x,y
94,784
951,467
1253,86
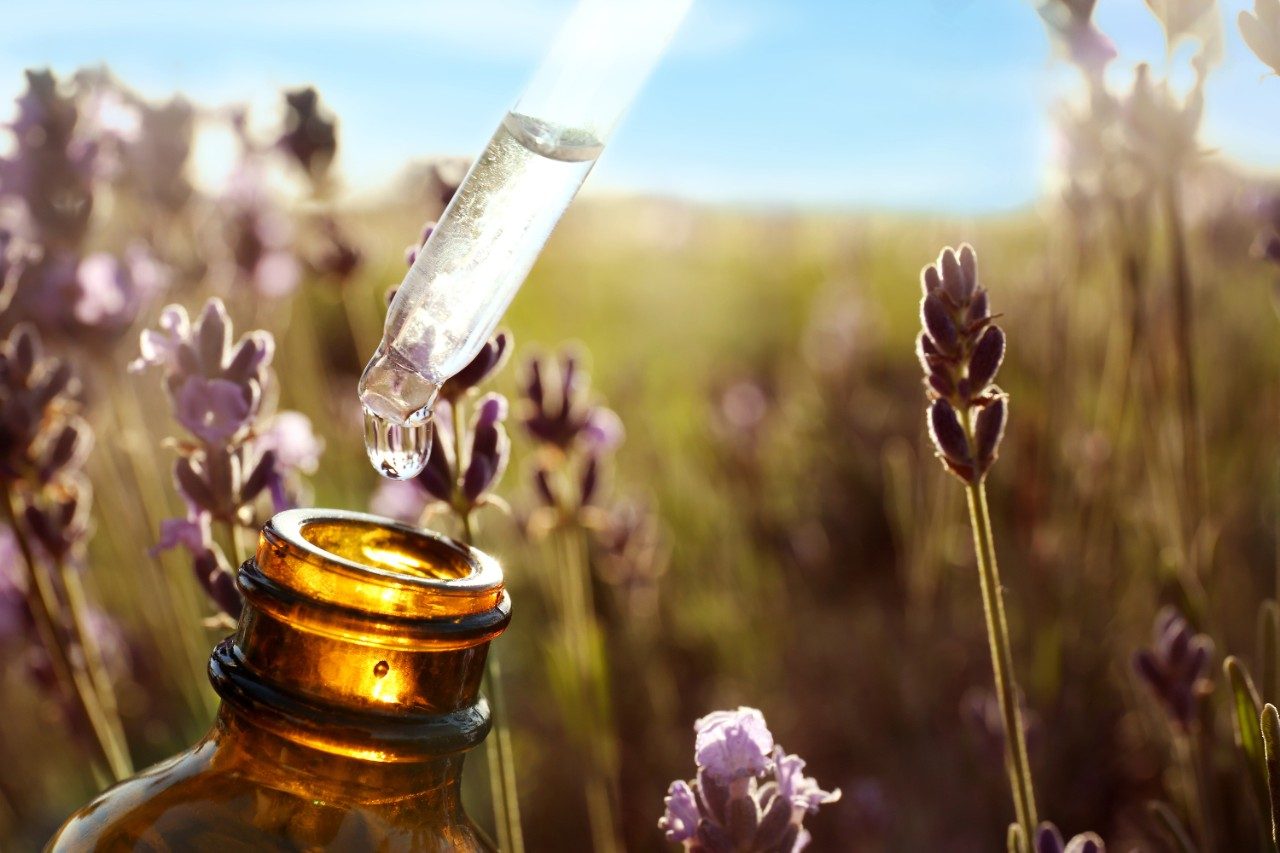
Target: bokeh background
x,y
740,279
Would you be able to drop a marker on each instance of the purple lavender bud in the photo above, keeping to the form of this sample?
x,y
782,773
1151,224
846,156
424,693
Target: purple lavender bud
x,y
680,821
1048,839
213,336
713,795
938,323
773,824
487,362
985,360
930,280
927,354
978,308
259,478
252,355
25,351
53,383
542,484
743,817
589,481
733,744
533,389
987,433
941,383
438,477
191,533
954,283
213,410
569,381
968,271
490,448
59,517
947,434
192,484
218,581
68,449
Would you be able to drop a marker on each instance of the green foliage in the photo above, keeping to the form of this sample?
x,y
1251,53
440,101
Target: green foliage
x,y
1246,707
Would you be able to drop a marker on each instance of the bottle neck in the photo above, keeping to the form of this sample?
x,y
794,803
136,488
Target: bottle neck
x,y
361,642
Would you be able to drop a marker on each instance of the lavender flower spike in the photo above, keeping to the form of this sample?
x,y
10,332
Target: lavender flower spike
x,y
1175,665
961,352
733,745
749,794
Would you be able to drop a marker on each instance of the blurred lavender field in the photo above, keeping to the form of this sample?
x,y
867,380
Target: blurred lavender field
x,y
701,456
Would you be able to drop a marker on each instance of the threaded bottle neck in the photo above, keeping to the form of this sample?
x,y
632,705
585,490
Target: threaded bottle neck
x,y
363,637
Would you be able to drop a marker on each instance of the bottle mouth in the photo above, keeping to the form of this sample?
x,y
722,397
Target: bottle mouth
x,y
377,566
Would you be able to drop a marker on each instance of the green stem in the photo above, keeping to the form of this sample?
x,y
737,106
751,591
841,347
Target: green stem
x,y
75,683
1016,756
95,666
498,752
1017,761
578,614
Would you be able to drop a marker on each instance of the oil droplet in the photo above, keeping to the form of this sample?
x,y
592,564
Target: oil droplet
x,y
381,669
396,450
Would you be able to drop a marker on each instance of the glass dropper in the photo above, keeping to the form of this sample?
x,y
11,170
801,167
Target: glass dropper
x,y
501,216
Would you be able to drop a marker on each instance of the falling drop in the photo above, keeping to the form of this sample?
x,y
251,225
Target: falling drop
x,y
381,669
397,451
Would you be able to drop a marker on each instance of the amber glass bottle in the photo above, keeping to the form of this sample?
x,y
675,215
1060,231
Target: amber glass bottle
x,y
350,694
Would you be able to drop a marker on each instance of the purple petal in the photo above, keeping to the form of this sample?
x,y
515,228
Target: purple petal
x,y
212,409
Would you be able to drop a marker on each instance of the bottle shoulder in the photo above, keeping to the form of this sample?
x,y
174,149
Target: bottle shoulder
x,y
197,801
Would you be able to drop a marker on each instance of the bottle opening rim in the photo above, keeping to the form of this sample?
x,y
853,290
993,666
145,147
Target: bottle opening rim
x,y
375,564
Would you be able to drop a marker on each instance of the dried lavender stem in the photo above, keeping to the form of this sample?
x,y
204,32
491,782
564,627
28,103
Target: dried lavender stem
x,y
74,682
77,604
498,754
1016,757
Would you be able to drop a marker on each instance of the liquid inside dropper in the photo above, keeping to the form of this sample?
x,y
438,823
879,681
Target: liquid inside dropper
x,y
463,279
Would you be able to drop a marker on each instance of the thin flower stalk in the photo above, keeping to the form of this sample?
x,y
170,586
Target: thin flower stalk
x,y
43,445
961,351
572,437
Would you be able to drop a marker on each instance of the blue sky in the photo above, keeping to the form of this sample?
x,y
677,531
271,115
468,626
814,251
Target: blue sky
x,y
903,104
